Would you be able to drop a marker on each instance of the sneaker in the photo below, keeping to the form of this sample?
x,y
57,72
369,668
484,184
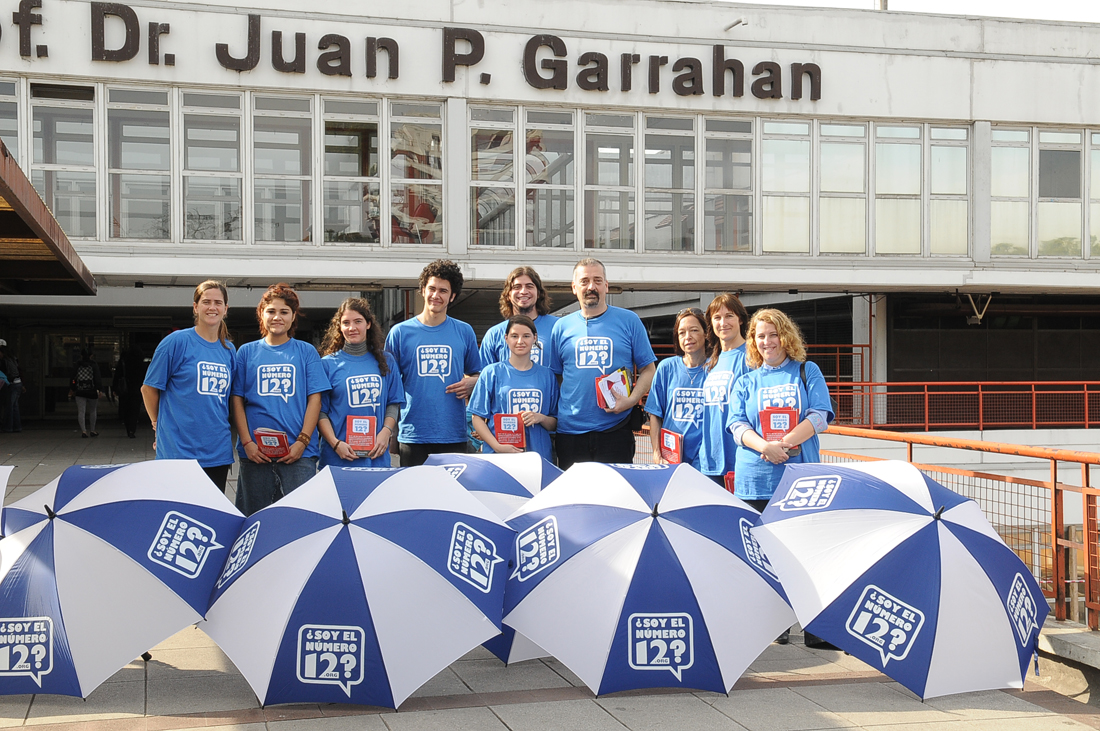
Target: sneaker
x,y
783,638
95,434
83,435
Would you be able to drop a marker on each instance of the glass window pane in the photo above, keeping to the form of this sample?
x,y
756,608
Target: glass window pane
x,y
536,117
215,101
549,157
843,225
367,109
687,124
1009,172
1010,135
729,164
351,149
609,219
609,120
491,154
897,226
282,104
1072,138
212,208
842,167
909,133
948,133
211,143
1059,174
481,114
282,210
9,127
1094,222
282,147
729,125
786,128
786,224
7,88
493,218
138,140
727,223
352,212
669,161
71,198
843,130
1094,174
1059,228
416,151
1009,228
550,218
610,159
417,213
949,227
669,221
140,207
786,166
404,109
948,170
132,96
63,136
897,169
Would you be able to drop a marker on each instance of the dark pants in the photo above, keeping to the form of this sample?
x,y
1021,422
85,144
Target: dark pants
x,y
218,475
129,407
416,454
616,445
758,505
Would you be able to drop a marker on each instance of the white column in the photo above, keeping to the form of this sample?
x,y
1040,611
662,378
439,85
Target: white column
x,y
456,177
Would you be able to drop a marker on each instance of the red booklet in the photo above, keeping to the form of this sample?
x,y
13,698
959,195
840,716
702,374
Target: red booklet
x,y
610,388
360,434
777,423
508,429
672,446
272,443
729,483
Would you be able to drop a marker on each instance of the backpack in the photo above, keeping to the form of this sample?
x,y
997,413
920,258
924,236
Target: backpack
x,y
85,377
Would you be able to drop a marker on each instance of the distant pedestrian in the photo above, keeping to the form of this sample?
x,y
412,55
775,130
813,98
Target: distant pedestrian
x,y
86,386
12,390
129,373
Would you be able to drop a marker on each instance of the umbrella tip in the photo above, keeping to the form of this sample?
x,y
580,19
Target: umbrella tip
x,y
49,513
939,512
655,509
346,519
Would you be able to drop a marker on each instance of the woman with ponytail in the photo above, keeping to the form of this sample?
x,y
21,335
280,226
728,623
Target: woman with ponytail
x,y
186,389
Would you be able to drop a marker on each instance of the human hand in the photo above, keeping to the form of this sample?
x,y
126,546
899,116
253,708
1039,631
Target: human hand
x,y
462,389
296,450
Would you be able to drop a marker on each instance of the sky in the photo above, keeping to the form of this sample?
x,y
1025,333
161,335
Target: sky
x,y
1073,10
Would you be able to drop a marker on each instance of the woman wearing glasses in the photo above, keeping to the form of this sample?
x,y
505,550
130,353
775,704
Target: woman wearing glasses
x,y
675,403
729,322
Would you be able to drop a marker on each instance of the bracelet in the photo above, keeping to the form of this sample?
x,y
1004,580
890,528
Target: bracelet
x,y
245,444
303,438
334,446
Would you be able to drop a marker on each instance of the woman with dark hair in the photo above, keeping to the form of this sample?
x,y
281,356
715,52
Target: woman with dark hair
x,y
675,402
186,389
517,386
86,386
277,386
728,321
363,381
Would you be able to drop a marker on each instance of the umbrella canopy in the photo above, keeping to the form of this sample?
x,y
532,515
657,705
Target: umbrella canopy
x,y
904,574
643,576
503,482
360,586
102,564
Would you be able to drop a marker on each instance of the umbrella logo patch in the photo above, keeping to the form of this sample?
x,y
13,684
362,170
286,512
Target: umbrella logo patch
x,y
331,655
455,470
810,493
1022,609
26,647
276,380
661,641
754,552
239,553
183,544
886,623
537,548
433,361
473,557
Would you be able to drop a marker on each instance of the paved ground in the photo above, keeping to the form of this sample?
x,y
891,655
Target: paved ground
x,y
190,683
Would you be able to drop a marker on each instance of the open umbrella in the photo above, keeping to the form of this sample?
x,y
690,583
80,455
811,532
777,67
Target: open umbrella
x,y
360,586
503,482
102,564
904,574
642,576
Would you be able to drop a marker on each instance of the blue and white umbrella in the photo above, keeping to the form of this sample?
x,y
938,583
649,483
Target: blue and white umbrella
x,y
643,576
904,574
504,483
360,586
102,564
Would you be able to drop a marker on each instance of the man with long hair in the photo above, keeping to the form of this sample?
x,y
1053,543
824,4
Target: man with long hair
x,y
523,294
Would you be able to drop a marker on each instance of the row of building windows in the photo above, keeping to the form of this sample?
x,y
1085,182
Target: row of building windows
x,y
206,166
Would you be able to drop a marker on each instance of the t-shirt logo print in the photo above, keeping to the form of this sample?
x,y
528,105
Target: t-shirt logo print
x,y
433,361
716,388
524,399
364,391
212,379
276,379
687,406
595,352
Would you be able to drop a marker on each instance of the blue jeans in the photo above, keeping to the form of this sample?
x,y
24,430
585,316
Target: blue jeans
x,y
259,485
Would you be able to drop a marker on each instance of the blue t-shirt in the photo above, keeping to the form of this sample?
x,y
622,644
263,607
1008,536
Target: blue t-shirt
x,y
756,478
276,382
193,377
718,451
582,349
357,387
502,389
677,398
494,346
430,359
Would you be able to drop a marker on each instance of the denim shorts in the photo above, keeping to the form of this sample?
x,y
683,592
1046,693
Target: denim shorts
x,y
259,485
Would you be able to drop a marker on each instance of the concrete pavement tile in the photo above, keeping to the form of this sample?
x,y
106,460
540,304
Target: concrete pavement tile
x,y
237,727
558,716
558,667
13,709
777,709
485,676
872,704
460,719
132,673
190,636
478,653
195,694
445,683
986,704
111,700
168,664
371,722
803,664
1038,723
656,713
